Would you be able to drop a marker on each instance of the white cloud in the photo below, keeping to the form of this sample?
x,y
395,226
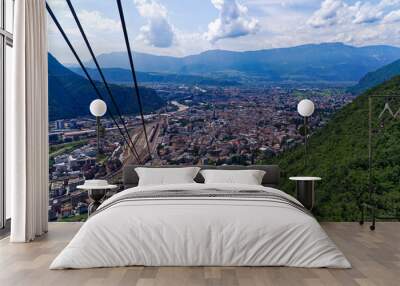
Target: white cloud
x,y
392,17
365,13
58,5
233,21
358,23
95,20
388,3
338,12
158,31
327,15
103,31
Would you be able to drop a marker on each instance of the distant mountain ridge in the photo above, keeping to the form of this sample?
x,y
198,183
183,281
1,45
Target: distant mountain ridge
x,y
70,94
124,76
313,62
377,77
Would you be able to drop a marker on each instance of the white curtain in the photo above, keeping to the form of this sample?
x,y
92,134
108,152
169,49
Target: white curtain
x,y
27,123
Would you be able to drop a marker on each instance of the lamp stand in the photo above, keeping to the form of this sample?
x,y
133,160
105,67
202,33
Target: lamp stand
x,y
98,134
305,141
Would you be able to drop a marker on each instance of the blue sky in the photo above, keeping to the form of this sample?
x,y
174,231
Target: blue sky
x,y
180,28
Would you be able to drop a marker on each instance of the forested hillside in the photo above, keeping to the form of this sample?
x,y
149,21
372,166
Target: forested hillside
x,y
339,154
70,94
374,78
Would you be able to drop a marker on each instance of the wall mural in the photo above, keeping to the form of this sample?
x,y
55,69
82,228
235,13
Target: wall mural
x,y
222,86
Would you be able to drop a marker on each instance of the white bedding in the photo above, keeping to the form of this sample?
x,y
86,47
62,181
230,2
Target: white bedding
x,y
200,231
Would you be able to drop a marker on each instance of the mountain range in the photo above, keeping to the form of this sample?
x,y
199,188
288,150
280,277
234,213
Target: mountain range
x,y
71,94
307,63
124,76
338,153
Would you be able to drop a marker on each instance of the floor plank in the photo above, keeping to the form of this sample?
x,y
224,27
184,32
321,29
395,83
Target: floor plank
x,y
375,257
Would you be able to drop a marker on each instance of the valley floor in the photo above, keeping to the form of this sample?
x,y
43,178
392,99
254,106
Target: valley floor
x,y
375,257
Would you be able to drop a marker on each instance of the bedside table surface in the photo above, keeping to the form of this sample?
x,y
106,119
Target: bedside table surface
x,y
305,179
105,187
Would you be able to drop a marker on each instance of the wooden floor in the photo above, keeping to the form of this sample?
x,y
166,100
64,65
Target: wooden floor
x,y
375,257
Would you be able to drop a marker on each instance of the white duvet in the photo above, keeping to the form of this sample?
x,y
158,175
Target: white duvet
x,y
202,232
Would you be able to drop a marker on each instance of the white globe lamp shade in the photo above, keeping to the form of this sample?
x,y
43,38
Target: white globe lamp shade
x,y
305,108
98,108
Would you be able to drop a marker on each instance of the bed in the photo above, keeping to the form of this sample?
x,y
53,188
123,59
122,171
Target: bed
x,y
197,224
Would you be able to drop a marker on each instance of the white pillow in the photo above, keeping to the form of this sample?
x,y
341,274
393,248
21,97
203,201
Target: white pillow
x,y
246,177
166,176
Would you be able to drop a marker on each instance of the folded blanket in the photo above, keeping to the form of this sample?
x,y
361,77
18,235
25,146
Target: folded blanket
x,y
207,193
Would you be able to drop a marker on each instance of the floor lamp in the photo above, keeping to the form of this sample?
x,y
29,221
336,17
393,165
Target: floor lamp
x,y
305,108
305,185
98,108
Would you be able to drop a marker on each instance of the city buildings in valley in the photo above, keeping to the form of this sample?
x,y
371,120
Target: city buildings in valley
x,y
200,125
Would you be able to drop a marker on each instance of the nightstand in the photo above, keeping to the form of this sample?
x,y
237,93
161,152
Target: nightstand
x,y
305,190
97,190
